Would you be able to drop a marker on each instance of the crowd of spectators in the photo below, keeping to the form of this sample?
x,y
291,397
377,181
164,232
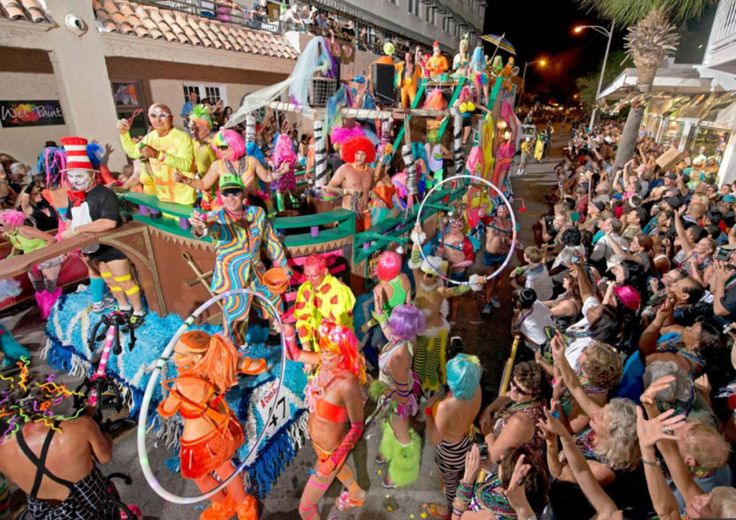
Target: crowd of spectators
x,y
621,403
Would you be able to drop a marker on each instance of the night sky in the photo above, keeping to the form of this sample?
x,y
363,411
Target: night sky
x,y
544,29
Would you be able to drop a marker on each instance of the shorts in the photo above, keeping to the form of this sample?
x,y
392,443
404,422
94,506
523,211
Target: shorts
x,y
493,260
106,254
467,121
458,277
202,456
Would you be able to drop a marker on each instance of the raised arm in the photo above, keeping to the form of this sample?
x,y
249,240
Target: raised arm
x,y
687,244
570,378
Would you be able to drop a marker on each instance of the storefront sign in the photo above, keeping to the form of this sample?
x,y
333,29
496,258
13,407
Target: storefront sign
x,y
30,113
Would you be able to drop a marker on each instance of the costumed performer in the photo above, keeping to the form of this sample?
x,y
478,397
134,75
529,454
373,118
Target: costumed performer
x,y
200,125
284,164
10,350
92,209
455,247
334,399
499,232
408,76
239,233
432,297
460,62
354,179
381,203
450,426
437,64
321,297
539,146
51,162
389,49
504,157
393,287
232,160
164,151
59,474
207,367
400,445
478,74
28,239
465,104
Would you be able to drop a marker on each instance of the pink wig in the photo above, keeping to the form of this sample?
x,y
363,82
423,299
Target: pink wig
x,y
388,266
357,144
340,134
466,94
407,322
283,152
11,218
232,140
316,262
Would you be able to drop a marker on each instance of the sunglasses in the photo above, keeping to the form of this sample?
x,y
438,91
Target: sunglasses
x,y
223,147
430,275
233,192
159,115
516,387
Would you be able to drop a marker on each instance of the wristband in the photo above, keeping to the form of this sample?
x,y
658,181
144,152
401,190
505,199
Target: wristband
x,y
429,411
654,462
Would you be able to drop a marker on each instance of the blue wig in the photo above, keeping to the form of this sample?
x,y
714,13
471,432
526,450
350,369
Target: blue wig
x,y
463,376
51,162
252,150
96,152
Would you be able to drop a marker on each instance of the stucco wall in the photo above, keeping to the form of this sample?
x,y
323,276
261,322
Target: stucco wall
x,y
25,143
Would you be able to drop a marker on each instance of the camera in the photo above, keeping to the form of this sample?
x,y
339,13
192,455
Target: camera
x,y
723,254
483,448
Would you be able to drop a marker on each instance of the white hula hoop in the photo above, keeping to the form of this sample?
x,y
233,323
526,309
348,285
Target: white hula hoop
x,y
488,183
148,395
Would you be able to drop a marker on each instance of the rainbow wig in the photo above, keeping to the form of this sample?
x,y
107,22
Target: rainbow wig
x,y
11,218
407,322
341,340
52,162
357,144
463,376
388,266
232,140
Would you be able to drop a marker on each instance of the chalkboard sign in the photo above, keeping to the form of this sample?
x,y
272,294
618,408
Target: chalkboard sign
x,y
30,113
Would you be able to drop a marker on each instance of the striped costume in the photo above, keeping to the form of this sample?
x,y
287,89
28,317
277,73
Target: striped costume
x,y
238,264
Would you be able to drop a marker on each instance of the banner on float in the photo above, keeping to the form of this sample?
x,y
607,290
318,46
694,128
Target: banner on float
x,y
18,113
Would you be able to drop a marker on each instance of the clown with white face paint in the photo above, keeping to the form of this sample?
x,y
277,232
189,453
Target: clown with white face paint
x,y
93,208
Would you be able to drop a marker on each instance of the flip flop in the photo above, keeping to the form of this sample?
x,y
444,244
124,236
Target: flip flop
x,y
345,501
433,511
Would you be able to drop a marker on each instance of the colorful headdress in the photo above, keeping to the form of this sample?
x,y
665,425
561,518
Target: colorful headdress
x,y
463,376
51,162
357,144
283,151
341,340
24,400
201,116
232,140
12,218
407,322
388,266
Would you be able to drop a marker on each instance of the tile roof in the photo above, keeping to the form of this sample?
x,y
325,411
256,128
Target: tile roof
x,y
25,10
146,21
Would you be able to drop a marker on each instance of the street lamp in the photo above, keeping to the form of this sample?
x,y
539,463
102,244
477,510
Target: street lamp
x,y
609,34
542,63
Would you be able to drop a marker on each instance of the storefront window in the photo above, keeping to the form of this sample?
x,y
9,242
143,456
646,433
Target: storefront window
x,y
672,133
710,142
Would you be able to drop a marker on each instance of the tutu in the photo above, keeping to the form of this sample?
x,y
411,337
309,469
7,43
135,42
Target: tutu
x,y
9,288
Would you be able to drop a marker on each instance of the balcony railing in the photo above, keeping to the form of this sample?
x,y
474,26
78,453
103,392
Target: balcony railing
x,y
724,26
222,11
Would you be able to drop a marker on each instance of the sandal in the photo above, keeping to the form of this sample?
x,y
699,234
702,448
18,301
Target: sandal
x,y
345,501
433,511
252,366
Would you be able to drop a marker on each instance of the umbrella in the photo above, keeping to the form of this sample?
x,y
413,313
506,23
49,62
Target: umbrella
x,y
500,42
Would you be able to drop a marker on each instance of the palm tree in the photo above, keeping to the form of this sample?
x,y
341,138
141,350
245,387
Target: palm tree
x,y
652,36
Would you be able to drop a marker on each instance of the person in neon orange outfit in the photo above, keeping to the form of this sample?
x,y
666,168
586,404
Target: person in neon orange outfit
x,y
334,399
437,64
208,366
408,76
165,150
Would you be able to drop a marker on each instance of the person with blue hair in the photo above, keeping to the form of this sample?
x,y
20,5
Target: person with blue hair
x,y
450,425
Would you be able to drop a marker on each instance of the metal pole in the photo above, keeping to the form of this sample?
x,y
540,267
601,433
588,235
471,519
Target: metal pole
x,y
603,72
523,81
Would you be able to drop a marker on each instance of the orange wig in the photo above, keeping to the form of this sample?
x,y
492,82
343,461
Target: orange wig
x,y
342,341
219,361
357,144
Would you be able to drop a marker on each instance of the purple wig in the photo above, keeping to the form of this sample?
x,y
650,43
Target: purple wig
x,y
232,140
406,322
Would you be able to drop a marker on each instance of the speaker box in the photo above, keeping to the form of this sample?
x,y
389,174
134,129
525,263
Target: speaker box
x,y
383,83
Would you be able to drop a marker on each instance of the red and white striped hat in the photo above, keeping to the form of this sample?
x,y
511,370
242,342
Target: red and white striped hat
x,y
76,153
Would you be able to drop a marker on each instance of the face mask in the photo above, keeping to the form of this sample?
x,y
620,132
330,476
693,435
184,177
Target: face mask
x,y
80,180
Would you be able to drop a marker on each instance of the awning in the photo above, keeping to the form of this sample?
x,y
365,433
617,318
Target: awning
x,y
672,80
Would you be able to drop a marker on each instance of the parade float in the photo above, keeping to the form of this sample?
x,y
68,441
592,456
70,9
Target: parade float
x,y
174,268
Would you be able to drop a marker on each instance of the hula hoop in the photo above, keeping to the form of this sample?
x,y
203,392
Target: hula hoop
x,y
488,183
148,395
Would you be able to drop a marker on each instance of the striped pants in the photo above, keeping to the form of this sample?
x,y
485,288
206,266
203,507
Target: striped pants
x,y
450,461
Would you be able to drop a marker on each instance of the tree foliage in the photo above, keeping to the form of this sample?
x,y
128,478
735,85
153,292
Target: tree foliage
x,y
588,85
629,12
